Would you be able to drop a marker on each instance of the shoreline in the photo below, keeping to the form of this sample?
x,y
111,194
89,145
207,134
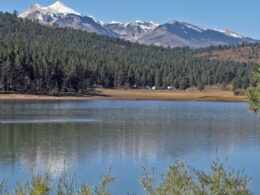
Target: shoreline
x,y
139,94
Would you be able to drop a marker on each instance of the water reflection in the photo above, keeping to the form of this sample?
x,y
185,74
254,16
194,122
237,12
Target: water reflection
x,y
92,136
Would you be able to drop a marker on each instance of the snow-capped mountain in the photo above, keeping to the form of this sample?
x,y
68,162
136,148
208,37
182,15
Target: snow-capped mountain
x,y
59,7
85,23
64,16
173,34
132,30
54,10
181,34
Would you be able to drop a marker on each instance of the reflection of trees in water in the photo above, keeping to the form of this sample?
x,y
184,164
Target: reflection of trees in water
x,y
141,136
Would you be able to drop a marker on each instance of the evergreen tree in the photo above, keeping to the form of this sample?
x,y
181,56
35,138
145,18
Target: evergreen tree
x,y
47,60
253,95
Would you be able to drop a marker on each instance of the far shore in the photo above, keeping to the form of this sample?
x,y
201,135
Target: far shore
x,y
208,95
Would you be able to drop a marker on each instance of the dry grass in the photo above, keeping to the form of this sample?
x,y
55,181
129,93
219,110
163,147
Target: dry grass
x,y
237,54
210,94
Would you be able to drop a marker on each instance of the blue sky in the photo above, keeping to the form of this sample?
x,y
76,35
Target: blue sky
x,y
241,16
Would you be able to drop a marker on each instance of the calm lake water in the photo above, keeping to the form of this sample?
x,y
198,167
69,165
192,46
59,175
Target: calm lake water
x,y
86,138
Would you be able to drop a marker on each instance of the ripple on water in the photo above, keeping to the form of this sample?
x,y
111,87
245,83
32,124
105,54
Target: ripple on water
x,y
43,121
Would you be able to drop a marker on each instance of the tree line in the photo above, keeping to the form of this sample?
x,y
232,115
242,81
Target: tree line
x,y
46,60
253,94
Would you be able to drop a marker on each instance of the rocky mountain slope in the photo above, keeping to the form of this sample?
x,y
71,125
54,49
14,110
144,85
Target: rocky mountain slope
x,y
171,34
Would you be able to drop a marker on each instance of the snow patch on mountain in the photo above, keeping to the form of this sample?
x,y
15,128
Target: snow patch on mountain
x,y
33,8
187,25
146,26
194,27
174,33
230,33
115,22
59,7
96,20
54,9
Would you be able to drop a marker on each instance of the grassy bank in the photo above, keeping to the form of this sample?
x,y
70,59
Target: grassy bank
x,y
209,94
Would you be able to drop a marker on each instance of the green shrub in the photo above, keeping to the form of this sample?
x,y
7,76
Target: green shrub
x,y
253,100
178,181
253,95
201,86
40,185
102,188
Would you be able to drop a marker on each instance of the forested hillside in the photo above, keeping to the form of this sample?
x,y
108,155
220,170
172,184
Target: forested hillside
x,y
240,53
39,59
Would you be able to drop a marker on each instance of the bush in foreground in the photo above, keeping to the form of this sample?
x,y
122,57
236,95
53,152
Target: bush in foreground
x,y
253,95
178,180
43,185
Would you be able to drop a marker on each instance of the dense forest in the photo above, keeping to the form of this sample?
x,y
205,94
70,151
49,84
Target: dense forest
x,y
40,59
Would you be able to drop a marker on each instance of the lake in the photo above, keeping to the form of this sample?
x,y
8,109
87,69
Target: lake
x,y
87,138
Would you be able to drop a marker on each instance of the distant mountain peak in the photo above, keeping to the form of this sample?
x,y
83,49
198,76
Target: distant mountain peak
x,y
187,25
33,8
174,22
146,26
55,8
62,8
36,5
175,33
115,22
58,3
136,22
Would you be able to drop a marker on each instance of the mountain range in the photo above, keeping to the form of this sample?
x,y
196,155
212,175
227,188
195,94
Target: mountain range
x,y
171,34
